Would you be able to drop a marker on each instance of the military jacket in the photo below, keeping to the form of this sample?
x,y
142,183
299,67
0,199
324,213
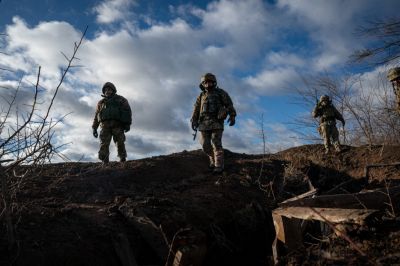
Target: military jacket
x,y
114,110
327,113
211,109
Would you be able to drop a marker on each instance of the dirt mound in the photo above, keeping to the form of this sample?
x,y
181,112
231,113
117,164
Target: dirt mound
x,y
141,212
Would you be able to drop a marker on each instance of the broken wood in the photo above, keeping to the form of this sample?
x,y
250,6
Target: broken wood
x,y
293,215
302,196
333,215
375,200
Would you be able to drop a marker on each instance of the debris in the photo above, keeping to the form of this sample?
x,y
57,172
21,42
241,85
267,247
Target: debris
x,y
292,218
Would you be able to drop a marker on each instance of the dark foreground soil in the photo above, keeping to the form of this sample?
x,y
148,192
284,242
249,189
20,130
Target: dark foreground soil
x,y
140,212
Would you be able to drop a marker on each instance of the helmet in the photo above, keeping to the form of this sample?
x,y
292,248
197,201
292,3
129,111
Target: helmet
x,y
324,98
393,73
208,76
109,85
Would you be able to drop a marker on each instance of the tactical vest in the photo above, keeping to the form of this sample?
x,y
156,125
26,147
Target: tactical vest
x,y
211,104
111,110
328,114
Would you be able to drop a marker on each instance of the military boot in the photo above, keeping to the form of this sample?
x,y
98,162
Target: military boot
x,y
219,162
212,162
338,149
105,160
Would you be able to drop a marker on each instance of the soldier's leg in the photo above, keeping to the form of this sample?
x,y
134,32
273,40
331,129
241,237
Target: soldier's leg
x,y
205,141
119,139
335,138
326,137
216,141
105,139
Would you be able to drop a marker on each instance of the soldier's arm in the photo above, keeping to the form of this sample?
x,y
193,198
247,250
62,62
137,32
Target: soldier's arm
x,y
338,115
196,109
126,107
316,112
227,101
96,121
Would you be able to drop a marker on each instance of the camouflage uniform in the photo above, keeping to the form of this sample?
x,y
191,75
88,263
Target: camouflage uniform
x,y
394,77
212,107
114,116
327,126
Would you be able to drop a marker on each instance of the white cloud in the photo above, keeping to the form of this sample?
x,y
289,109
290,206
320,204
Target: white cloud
x,y
243,25
285,59
110,11
272,81
42,45
158,68
332,25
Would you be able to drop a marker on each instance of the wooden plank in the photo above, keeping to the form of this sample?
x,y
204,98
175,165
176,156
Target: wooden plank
x,y
333,215
376,199
302,196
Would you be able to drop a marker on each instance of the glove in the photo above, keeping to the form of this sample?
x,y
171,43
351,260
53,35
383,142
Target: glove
x,y
95,133
222,114
127,128
231,120
195,125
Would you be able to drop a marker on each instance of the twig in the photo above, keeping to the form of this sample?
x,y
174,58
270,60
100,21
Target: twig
x,y
341,234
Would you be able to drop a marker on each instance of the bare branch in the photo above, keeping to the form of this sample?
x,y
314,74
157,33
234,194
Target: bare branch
x,y
386,50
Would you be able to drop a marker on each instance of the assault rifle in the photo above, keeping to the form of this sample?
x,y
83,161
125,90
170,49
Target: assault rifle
x,y
194,134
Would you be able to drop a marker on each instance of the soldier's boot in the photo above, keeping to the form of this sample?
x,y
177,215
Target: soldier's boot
x,y
212,162
105,160
219,161
337,148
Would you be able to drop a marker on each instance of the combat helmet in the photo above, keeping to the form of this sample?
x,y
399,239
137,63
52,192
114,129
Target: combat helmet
x,y
206,77
393,73
109,85
324,98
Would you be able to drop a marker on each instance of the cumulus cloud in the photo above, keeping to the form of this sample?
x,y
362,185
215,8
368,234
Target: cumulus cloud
x,y
272,81
285,59
110,11
41,45
158,67
332,25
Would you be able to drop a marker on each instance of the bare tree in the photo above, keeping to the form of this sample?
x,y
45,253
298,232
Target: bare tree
x,y
367,111
385,47
27,138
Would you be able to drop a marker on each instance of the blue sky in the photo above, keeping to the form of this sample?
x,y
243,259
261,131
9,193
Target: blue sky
x,y
156,51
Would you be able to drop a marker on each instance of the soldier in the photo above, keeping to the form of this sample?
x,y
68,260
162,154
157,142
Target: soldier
x,y
114,116
327,125
394,77
210,110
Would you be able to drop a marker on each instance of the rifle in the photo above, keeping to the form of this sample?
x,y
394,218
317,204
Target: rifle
x,y
194,134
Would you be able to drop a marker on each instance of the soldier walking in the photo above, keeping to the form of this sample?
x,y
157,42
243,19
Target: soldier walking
x,y
394,77
212,107
327,125
114,116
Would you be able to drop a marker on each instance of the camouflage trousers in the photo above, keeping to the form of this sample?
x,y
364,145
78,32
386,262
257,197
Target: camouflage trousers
x,y
330,134
211,142
117,134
